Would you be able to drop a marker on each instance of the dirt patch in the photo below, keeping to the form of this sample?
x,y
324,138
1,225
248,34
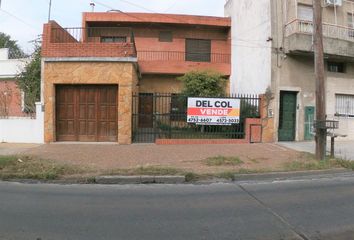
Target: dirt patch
x,y
186,158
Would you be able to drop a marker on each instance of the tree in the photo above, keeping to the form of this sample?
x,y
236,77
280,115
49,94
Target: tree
x,y
203,84
14,50
29,81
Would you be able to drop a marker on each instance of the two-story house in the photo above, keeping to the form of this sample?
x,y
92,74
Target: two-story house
x,y
272,47
91,73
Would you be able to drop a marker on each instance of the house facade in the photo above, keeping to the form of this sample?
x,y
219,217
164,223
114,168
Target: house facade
x,y
11,98
274,51
91,73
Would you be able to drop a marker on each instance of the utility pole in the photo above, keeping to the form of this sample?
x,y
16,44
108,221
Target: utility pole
x,y
321,131
49,10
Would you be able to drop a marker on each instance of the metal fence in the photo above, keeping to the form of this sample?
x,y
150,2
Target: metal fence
x,y
164,116
183,56
92,34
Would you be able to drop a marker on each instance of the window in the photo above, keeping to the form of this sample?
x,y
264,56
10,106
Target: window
x,y
350,18
165,36
345,105
178,108
198,50
114,39
305,12
337,67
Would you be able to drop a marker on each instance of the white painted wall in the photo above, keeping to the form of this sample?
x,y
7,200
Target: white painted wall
x,y
340,84
23,130
9,68
251,53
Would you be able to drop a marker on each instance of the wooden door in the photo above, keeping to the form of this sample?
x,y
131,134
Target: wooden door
x,y
86,113
146,108
287,116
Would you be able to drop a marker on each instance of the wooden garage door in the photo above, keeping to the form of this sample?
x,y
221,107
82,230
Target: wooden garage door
x,y
86,113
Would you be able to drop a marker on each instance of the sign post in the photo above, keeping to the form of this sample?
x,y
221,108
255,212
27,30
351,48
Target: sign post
x,y
213,111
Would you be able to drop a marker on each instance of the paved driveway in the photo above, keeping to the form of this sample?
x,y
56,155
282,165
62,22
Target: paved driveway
x,y
343,149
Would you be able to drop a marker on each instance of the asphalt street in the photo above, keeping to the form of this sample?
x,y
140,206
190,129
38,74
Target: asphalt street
x,y
307,208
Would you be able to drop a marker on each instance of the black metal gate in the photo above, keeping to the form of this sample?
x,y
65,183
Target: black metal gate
x,y
164,116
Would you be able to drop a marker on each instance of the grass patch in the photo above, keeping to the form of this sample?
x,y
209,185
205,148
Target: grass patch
x,y
223,161
345,163
13,167
149,171
6,161
310,165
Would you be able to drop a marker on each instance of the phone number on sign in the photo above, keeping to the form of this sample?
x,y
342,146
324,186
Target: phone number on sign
x,y
206,120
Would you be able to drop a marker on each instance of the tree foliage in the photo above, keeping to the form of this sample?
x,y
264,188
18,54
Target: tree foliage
x,y
14,50
203,84
29,81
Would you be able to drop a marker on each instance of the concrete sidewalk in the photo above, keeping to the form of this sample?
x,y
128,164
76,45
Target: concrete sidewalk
x,y
16,148
343,149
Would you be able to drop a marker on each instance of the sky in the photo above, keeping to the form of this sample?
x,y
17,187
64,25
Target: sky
x,y
23,19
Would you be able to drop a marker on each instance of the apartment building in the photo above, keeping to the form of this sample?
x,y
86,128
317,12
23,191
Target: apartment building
x,y
11,98
272,48
91,72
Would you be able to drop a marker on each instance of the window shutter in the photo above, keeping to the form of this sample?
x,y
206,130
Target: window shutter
x,y
198,50
165,36
305,13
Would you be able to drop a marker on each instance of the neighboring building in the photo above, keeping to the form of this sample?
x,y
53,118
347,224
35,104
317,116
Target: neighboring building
x,y
90,73
275,49
11,98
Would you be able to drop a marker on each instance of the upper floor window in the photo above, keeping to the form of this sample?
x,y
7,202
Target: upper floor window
x,y
305,12
345,105
350,18
198,50
337,67
165,36
114,39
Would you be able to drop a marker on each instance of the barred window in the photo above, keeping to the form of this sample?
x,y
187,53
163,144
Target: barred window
x,y
337,67
345,105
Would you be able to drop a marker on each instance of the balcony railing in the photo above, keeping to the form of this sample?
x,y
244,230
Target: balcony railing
x,y
183,56
88,42
91,34
329,30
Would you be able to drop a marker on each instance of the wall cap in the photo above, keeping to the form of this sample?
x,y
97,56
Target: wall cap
x,y
91,59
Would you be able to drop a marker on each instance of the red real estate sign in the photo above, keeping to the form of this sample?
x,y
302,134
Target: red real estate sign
x,y
213,111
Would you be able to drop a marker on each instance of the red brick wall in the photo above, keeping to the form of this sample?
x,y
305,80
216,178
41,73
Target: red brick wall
x,y
13,99
51,47
147,40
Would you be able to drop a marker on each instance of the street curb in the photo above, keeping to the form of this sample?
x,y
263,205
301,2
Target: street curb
x,y
288,175
140,179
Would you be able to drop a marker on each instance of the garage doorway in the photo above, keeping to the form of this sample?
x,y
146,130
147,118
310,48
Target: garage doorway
x,y
87,113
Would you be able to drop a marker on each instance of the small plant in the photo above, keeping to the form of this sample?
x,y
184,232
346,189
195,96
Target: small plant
x,y
223,161
203,84
192,177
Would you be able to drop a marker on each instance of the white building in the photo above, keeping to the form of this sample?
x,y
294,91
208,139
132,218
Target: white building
x,y
273,47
